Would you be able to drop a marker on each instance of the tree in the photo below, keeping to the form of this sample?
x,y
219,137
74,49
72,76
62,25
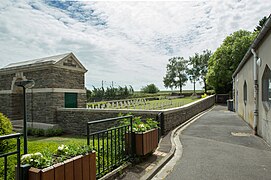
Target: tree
x,y
226,58
193,71
151,88
176,73
203,66
259,27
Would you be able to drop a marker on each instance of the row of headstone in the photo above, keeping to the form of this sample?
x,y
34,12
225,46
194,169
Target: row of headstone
x,y
120,104
136,104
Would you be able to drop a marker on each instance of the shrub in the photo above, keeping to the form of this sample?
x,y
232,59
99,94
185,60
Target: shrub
x,y
151,88
53,132
5,128
44,132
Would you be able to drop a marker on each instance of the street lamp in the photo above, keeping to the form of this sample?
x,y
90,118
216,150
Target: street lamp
x,y
25,84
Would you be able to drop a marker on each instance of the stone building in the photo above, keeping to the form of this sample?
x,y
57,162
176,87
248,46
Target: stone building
x,y
252,84
59,82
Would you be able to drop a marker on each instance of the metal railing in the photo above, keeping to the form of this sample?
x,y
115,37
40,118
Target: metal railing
x,y
17,151
113,146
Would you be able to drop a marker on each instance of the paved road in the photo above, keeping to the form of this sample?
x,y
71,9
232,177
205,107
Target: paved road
x,y
220,145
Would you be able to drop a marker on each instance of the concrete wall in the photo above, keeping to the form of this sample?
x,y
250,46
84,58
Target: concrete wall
x,y
246,73
74,120
264,125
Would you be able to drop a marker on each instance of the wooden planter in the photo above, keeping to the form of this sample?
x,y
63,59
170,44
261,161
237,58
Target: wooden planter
x,y
145,142
77,168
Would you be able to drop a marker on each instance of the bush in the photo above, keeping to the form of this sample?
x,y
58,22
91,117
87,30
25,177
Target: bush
x,y
5,128
151,88
44,132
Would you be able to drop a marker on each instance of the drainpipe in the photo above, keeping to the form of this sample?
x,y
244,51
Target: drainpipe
x,y
233,95
255,77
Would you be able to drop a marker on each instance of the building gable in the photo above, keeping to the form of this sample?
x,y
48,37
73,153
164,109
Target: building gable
x,y
71,62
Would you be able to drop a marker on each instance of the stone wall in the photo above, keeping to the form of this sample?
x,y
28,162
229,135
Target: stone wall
x,y
11,106
41,107
57,78
42,100
5,81
176,116
74,120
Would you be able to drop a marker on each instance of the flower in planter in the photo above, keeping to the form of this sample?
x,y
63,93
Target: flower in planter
x,y
62,153
37,160
140,125
62,150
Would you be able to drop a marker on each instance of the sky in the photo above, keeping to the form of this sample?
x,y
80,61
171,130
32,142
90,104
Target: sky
x,y
128,42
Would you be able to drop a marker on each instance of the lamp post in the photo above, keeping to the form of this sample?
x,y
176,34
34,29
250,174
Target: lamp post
x,y
25,84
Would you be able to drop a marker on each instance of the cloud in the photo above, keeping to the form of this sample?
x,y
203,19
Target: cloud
x,y
125,42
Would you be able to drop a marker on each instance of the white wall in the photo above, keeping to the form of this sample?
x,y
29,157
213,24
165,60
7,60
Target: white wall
x,y
246,74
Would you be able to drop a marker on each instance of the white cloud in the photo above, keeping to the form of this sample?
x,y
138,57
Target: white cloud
x,y
124,42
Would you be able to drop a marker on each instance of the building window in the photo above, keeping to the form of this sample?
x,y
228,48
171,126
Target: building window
x,y
266,87
70,100
245,92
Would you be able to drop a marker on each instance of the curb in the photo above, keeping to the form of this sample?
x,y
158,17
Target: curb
x,y
115,172
149,175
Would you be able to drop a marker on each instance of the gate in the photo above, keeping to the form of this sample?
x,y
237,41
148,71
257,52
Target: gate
x,y
110,145
6,154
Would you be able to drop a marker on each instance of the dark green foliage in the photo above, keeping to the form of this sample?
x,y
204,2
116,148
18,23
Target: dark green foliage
x,y
151,88
42,132
110,93
176,73
226,58
259,27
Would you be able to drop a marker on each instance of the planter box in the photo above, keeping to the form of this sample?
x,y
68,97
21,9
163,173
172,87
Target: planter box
x,y
145,142
77,168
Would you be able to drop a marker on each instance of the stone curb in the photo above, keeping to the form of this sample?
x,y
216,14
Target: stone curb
x,y
149,175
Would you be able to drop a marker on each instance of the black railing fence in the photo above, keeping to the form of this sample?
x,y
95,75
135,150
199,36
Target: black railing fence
x,y
5,154
111,144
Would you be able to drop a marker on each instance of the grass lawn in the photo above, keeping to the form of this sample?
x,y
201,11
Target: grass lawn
x,y
38,144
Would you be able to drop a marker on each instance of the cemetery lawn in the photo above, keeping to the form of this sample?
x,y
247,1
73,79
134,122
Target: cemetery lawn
x,y
154,104
166,103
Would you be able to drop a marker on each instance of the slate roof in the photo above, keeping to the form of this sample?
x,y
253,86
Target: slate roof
x,y
51,60
45,60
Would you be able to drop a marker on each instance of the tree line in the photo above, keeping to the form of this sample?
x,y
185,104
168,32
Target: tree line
x,y
213,69
109,93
